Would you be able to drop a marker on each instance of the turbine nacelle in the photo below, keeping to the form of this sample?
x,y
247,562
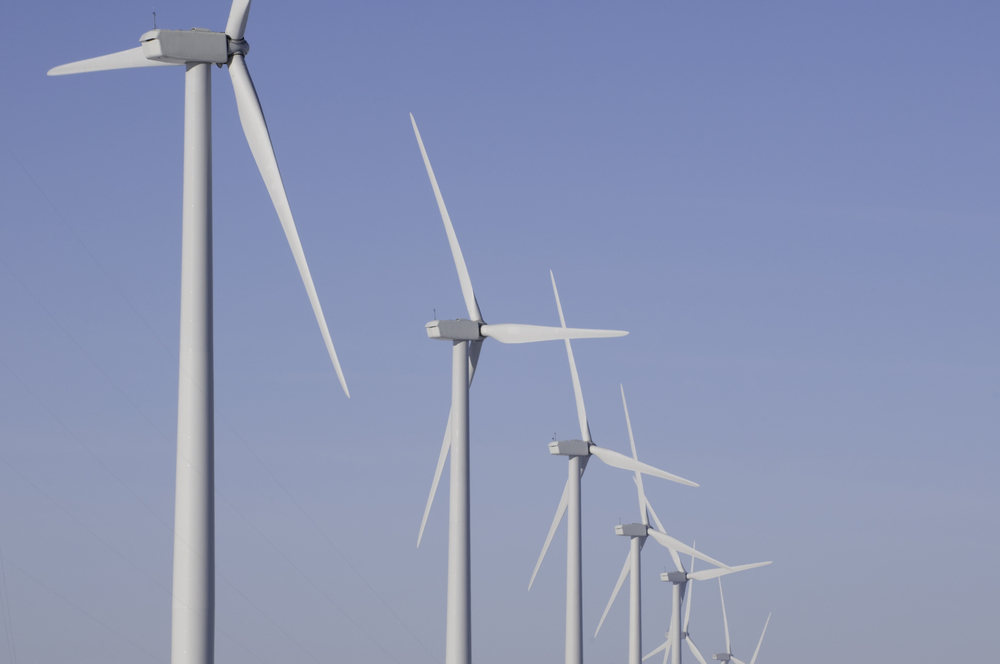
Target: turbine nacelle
x,y
674,577
183,46
722,656
460,329
570,447
632,529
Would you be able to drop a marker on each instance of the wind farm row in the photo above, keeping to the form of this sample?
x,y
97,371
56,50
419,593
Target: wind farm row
x,y
193,592
467,337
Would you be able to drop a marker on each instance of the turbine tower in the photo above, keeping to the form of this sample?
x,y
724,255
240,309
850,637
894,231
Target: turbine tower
x,y
579,453
467,337
193,611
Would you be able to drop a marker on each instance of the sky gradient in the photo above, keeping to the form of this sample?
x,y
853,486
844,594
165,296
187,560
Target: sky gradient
x,y
792,209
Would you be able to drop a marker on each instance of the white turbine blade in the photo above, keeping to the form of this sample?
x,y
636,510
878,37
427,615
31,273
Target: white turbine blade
x,y
635,457
255,128
689,587
725,620
581,409
133,57
757,650
237,22
475,348
707,574
663,646
694,650
659,526
737,660
618,586
656,520
514,333
456,251
679,546
619,460
445,447
563,502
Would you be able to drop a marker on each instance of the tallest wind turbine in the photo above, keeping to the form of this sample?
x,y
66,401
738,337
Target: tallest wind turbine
x,y
467,336
193,614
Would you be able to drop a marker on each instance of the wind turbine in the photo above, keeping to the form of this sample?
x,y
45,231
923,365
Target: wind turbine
x,y
728,655
681,591
467,336
193,612
579,453
637,533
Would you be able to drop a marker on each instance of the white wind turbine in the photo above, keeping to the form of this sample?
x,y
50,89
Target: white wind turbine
x,y
467,336
728,655
579,453
193,612
637,533
681,591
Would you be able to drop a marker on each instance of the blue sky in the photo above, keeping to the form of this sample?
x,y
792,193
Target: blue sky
x,y
791,207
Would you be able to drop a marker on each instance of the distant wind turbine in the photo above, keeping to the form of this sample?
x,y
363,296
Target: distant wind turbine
x,y
728,655
680,589
193,613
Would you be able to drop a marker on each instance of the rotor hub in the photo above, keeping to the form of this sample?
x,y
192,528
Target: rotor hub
x,y
238,46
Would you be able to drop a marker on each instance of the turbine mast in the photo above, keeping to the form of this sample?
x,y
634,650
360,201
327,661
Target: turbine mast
x,y
193,625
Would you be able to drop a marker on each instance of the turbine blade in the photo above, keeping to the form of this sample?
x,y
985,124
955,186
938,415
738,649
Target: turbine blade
x,y
689,587
737,660
694,649
456,251
672,543
635,457
475,348
725,620
514,333
656,519
581,409
757,650
619,460
659,526
445,447
663,646
707,574
255,128
563,502
618,586
133,57
237,22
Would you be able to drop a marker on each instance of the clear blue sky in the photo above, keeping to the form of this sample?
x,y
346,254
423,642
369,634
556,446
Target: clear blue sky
x,y
791,206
